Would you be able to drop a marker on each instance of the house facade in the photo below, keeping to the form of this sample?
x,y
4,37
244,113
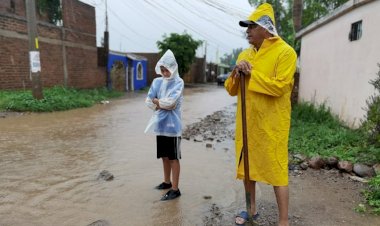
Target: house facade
x,y
339,56
126,71
68,53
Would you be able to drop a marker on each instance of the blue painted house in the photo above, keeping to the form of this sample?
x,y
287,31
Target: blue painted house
x,y
126,71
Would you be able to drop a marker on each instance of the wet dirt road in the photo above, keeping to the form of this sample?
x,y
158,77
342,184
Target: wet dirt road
x,y
50,162
49,165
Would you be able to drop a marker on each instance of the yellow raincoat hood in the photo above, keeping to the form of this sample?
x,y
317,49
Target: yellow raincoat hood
x,y
263,16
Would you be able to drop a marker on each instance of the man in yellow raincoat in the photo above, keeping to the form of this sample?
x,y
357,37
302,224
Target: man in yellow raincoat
x,y
268,67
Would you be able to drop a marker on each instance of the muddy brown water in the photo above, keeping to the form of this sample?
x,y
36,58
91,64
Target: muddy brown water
x,y
49,165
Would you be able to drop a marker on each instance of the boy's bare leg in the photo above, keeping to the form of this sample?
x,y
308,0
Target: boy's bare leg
x,y
167,169
282,197
175,173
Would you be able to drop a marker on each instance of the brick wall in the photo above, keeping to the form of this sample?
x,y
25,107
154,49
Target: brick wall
x,y
73,44
16,7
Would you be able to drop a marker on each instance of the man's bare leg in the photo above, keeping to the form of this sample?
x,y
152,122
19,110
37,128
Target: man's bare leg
x,y
282,197
251,187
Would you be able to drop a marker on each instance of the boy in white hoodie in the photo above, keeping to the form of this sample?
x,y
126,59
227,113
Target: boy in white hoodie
x,y
165,97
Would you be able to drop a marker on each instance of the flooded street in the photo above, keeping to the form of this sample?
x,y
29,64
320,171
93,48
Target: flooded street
x,y
50,162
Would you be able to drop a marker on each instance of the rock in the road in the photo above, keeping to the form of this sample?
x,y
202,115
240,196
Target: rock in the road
x,y
100,223
105,175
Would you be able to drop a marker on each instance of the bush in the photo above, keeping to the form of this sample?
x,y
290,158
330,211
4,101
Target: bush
x,y
372,194
372,119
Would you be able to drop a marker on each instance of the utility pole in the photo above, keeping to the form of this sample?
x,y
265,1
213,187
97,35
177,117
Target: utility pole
x,y
205,62
34,54
106,50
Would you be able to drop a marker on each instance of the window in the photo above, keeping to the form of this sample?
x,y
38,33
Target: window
x,y
356,31
140,71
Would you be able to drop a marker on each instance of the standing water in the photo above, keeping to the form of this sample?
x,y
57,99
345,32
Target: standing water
x,y
50,162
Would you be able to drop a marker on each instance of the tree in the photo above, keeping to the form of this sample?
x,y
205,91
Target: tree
x,y
52,8
230,59
313,10
183,47
297,14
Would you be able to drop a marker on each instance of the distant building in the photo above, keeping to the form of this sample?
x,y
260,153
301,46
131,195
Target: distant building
x,y
126,71
339,56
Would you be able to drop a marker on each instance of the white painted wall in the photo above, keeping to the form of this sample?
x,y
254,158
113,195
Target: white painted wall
x,y
336,70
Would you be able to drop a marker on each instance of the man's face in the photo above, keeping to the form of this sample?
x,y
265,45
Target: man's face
x,y
255,35
165,72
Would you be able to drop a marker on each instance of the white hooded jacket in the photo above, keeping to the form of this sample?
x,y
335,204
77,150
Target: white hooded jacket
x,y
166,121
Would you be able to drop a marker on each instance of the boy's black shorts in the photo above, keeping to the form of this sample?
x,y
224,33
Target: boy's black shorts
x,y
169,147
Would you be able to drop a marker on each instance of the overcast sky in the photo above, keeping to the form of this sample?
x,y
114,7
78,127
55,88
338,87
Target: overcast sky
x,y
136,25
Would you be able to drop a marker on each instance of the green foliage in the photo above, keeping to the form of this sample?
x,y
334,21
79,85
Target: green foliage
x,y
360,208
372,194
312,11
183,47
230,59
371,123
52,8
315,131
55,99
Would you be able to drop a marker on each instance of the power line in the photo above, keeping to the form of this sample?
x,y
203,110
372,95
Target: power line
x,y
127,26
214,22
170,14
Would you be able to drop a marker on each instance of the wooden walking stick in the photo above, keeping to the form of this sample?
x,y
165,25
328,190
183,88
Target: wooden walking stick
x,y
245,147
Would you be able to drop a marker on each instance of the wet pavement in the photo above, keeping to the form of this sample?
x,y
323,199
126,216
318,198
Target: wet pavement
x,y
50,162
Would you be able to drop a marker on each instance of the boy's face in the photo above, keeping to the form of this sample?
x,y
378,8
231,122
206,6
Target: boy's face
x,y
165,72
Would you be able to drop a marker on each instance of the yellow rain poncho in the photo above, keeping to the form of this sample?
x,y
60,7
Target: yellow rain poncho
x,y
268,91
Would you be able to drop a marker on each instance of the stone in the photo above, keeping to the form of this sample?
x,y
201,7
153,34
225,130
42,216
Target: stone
x,y
299,157
304,165
100,223
316,162
345,166
208,145
332,161
363,170
376,167
198,138
105,175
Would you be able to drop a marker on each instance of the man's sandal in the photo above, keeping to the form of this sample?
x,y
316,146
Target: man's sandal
x,y
243,215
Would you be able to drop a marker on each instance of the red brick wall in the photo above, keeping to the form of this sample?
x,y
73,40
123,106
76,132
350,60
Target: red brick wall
x,y
14,68
18,9
79,16
78,34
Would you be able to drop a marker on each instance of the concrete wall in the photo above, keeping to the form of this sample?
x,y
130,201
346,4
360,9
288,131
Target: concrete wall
x,y
336,70
68,53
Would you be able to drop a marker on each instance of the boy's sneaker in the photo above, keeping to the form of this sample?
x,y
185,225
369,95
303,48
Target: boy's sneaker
x,y
171,194
163,186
